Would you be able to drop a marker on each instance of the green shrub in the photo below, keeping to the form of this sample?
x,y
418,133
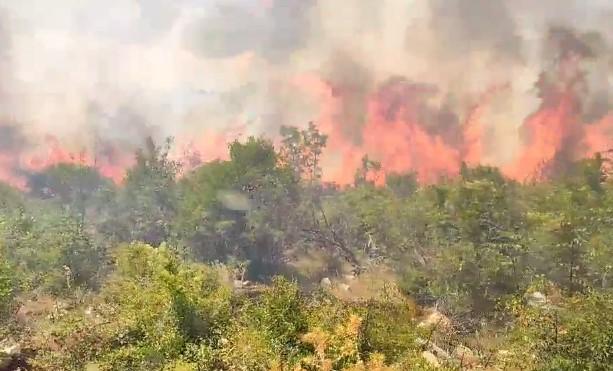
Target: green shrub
x,y
7,288
576,334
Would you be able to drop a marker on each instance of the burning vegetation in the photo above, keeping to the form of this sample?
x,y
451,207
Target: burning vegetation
x,y
306,185
438,104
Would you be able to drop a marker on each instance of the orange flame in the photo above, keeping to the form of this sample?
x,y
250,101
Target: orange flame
x,y
403,129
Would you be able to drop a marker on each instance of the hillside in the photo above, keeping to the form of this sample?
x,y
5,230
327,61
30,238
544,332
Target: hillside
x,y
255,263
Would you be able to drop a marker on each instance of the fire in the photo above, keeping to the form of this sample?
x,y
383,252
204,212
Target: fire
x,y
556,133
208,146
546,132
599,136
402,130
109,161
343,157
7,173
397,136
402,124
473,126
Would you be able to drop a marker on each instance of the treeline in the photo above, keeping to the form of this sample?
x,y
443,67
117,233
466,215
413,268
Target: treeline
x,y
142,268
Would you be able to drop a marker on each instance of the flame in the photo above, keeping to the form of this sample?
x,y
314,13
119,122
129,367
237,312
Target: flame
x,y
404,127
473,151
556,132
396,131
599,136
397,137
546,131
342,157
110,162
8,174
208,146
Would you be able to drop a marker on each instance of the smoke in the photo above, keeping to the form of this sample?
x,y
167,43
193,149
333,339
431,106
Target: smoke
x,y
559,131
463,27
351,82
417,85
11,142
272,29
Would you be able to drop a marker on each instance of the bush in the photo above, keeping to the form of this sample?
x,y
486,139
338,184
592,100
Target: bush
x,y
7,288
147,314
576,334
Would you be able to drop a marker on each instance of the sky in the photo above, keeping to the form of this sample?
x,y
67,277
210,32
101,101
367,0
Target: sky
x,y
119,70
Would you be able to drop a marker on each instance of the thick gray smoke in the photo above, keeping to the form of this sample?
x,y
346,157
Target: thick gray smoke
x,y
99,74
273,30
463,27
352,83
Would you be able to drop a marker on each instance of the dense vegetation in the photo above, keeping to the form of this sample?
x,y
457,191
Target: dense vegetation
x,y
254,263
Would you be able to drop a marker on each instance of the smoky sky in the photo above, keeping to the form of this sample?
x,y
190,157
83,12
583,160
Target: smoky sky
x,y
351,82
11,138
462,26
91,71
233,27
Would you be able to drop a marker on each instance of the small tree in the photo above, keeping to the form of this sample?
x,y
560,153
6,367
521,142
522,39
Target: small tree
x,y
148,201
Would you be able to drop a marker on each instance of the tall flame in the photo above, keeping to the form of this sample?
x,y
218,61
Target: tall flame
x,y
405,126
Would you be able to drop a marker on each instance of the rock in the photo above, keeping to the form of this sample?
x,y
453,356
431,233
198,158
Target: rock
x,y
465,355
433,348
325,282
430,358
439,352
31,310
5,361
9,347
9,353
504,354
435,319
537,299
12,349
344,287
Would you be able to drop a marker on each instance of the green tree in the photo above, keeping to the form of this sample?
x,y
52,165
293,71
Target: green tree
x,y
153,312
7,287
301,151
240,208
575,334
368,172
51,251
403,185
75,187
148,201
484,256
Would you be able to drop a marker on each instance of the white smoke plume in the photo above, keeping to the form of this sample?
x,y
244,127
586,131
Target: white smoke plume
x,y
92,72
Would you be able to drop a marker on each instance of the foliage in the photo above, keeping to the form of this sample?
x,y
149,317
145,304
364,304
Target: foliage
x,y
575,334
389,329
171,271
50,251
147,202
145,316
7,288
301,151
